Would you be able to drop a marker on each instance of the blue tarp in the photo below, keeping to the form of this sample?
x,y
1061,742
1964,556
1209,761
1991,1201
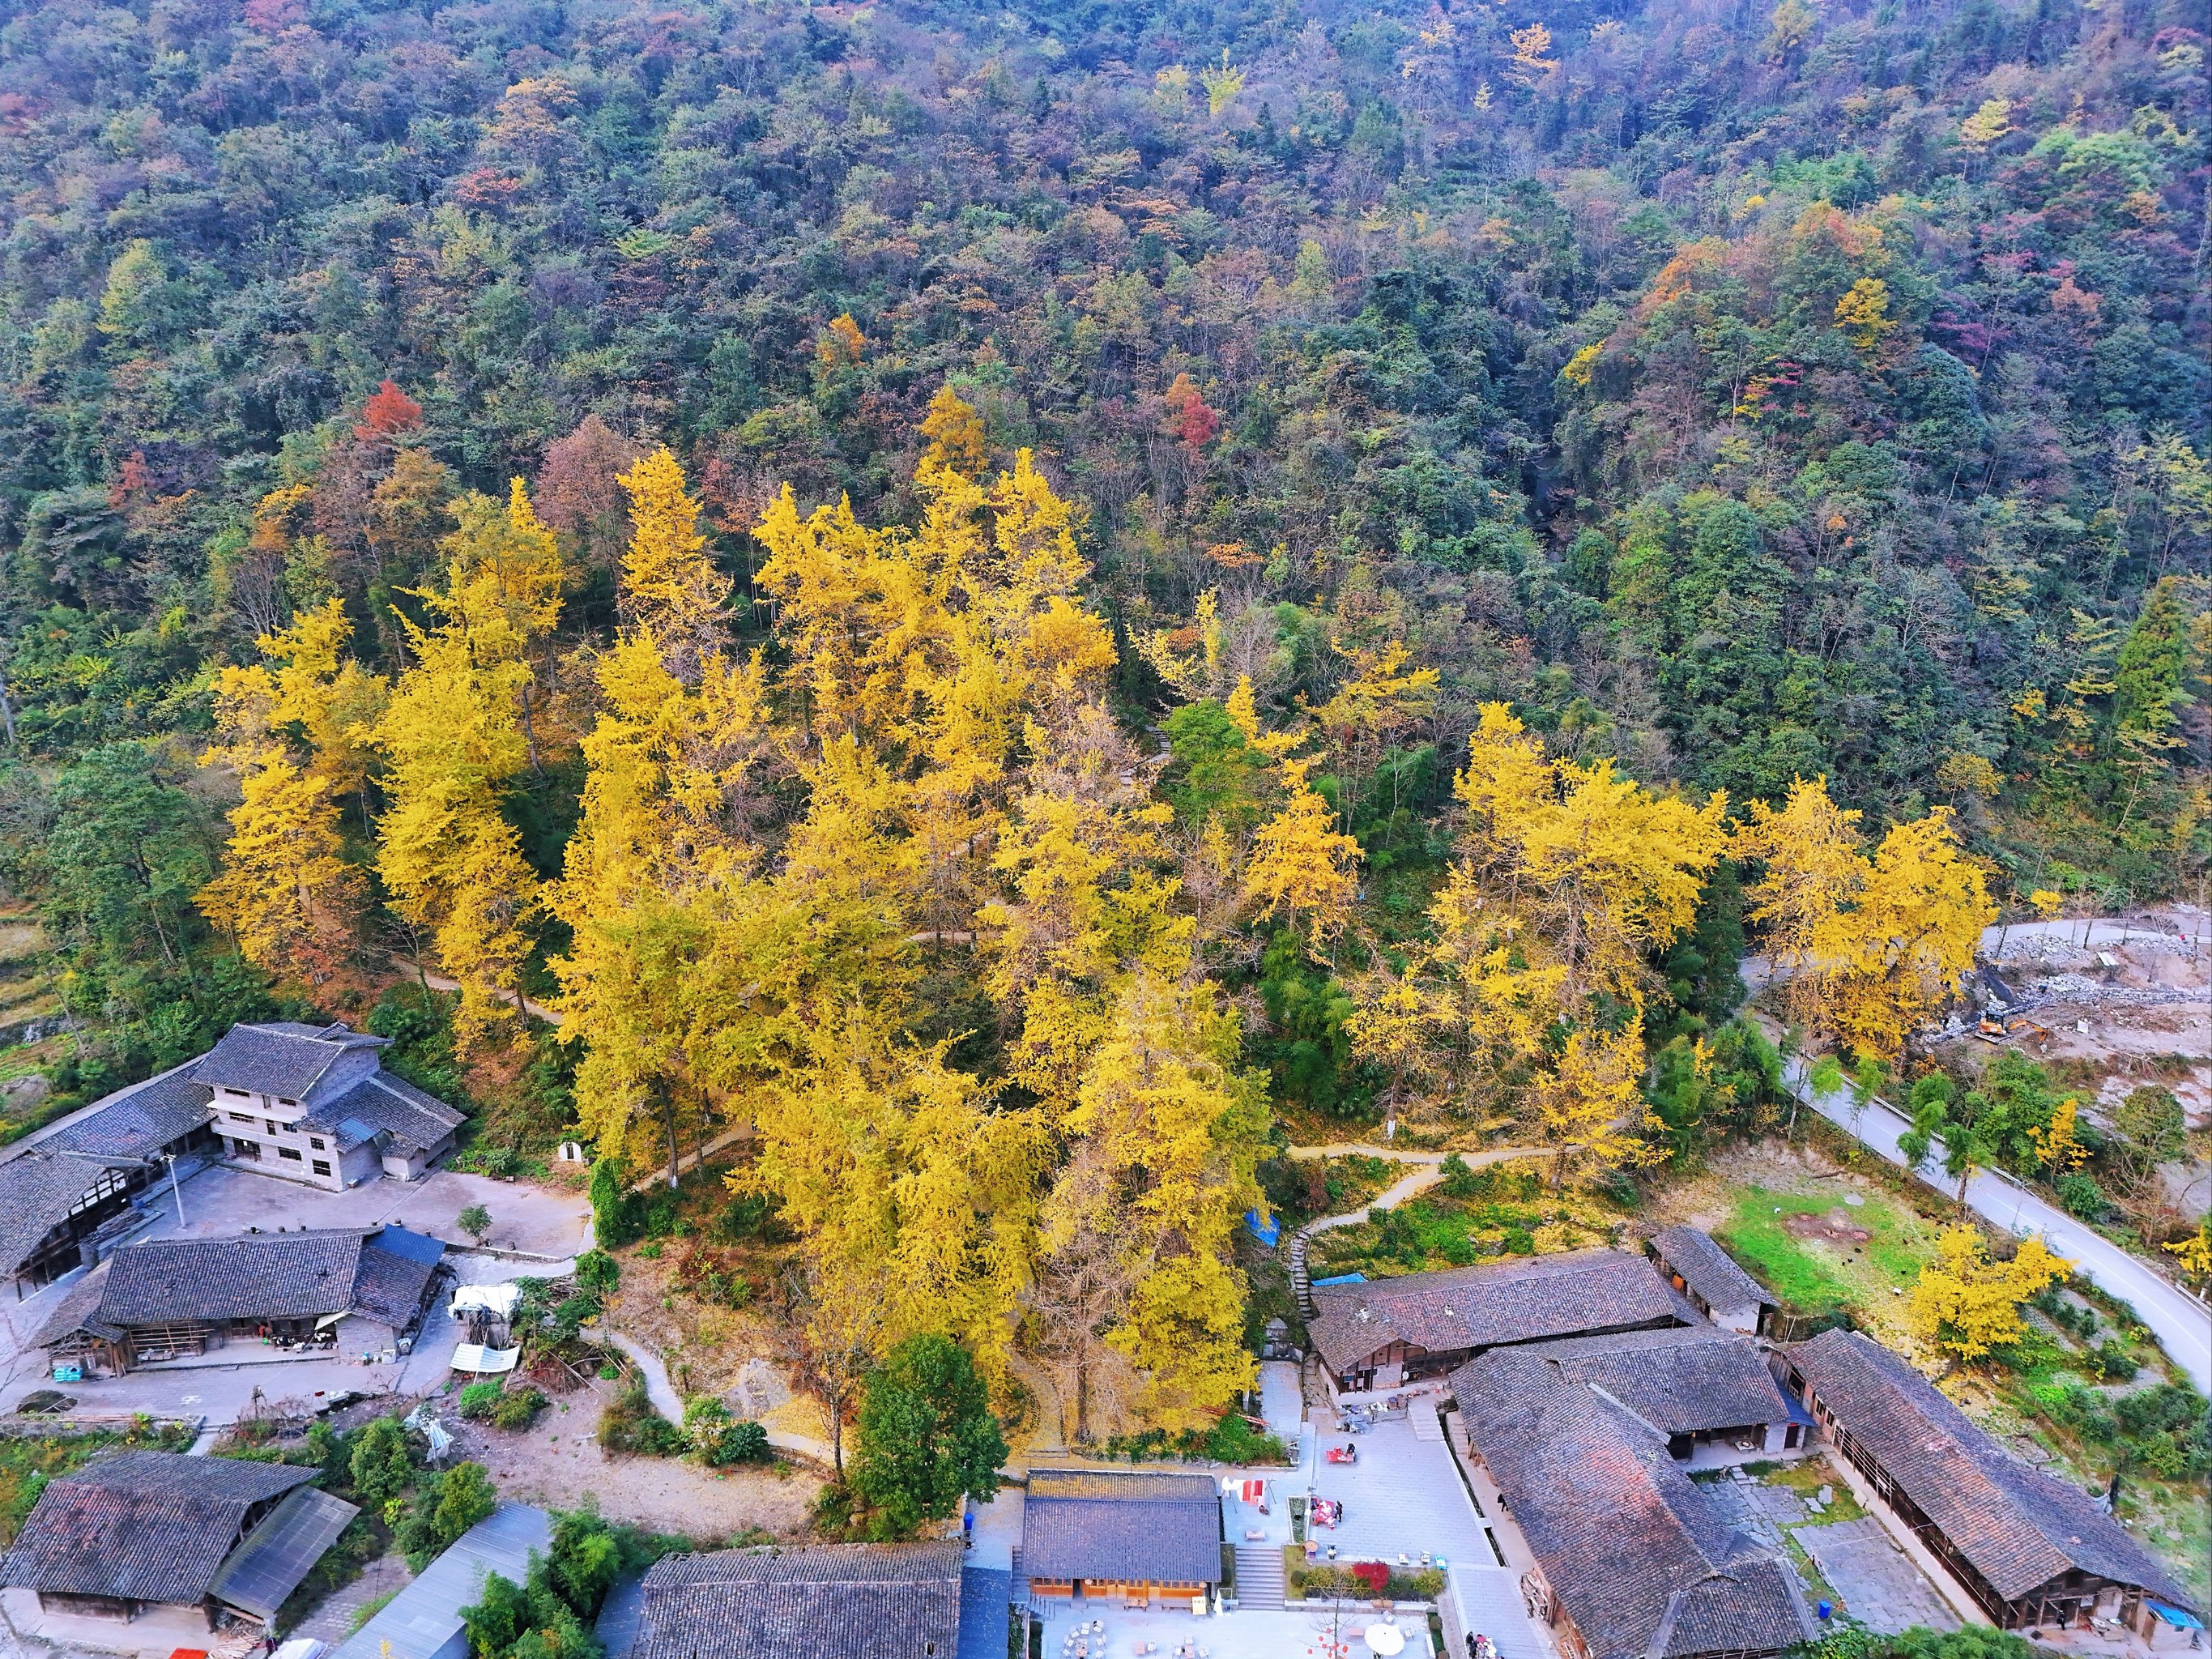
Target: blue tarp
x,y
1344,1278
1268,1231
2176,1617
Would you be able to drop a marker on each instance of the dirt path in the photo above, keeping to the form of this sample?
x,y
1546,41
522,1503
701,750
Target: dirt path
x,y
558,1461
1429,1172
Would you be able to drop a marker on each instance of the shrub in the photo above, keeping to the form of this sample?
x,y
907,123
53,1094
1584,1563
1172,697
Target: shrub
x,y
615,1219
382,1465
2082,1196
480,1399
1519,1242
517,1409
597,1272
737,1442
629,1427
1459,1181
2116,1363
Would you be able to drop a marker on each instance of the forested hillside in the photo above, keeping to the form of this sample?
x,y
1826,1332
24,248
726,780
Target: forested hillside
x,y
1011,596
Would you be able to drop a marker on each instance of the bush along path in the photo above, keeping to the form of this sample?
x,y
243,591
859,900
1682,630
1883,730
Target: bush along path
x,y
1428,1171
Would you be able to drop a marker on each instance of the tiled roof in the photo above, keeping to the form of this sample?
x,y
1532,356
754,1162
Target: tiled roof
x,y
268,1276
855,1601
1681,1380
139,1121
381,1101
150,1526
37,1192
283,1058
1642,1562
1708,1269
1526,1299
1099,1523
79,1310
390,1284
2020,1528
255,1276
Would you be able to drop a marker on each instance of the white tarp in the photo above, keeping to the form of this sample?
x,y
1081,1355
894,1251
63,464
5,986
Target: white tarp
x,y
498,1299
303,1647
431,1430
485,1362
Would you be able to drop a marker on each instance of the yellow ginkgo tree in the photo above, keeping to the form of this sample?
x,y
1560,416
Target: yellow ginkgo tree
x,y
452,737
1870,945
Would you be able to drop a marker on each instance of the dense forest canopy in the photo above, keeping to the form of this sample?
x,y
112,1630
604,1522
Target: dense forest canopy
x,y
1003,593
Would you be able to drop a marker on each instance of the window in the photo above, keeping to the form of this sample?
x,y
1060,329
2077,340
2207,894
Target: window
x,y
281,1101
236,1094
315,1141
246,1149
272,1126
242,1117
288,1152
321,1167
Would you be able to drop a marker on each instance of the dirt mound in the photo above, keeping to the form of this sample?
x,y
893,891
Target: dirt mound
x,y
1834,1227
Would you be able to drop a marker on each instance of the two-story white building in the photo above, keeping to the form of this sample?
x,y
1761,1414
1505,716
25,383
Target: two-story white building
x,y
314,1103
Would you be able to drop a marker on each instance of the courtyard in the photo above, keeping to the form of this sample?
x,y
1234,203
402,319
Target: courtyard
x,y
1164,1633
241,1378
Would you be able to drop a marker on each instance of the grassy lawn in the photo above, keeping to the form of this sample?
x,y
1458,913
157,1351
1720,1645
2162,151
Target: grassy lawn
x,y
1806,1247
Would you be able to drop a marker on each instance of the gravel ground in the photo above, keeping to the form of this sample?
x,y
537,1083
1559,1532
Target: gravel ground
x,y
555,1464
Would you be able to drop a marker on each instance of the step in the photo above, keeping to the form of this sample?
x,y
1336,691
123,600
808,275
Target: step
x,y
1259,1581
1428,1425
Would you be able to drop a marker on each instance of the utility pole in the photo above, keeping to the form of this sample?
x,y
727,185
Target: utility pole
x,y
176,1191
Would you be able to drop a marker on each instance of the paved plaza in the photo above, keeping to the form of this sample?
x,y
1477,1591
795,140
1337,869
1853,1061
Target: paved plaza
x,y
1877,1582
1161,1632
1402,1498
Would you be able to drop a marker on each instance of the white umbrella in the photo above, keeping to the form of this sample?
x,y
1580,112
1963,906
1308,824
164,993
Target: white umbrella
x,y
1386,1638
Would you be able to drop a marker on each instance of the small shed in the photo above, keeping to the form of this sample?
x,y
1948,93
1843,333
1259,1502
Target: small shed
x,y
1697,1266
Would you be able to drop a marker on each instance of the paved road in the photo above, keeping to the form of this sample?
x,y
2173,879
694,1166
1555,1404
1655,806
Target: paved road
x,y
2182,1324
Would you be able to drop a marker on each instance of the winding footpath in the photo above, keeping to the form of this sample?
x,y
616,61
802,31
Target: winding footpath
x,y
1428,1171
2182,1324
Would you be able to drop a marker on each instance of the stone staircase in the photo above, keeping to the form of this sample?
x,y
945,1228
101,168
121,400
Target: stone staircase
x,y
1300,1281
1259,1581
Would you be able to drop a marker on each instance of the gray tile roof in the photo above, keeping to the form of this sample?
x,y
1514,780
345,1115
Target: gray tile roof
x,y
1645,1566
283,1058
37,1192
264,1276
1104,1523
1709,1270
390,1285
150,1526
2020,1528
854,1601
1525,1299
1681,1380
79,1310
382,1101
139,1121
